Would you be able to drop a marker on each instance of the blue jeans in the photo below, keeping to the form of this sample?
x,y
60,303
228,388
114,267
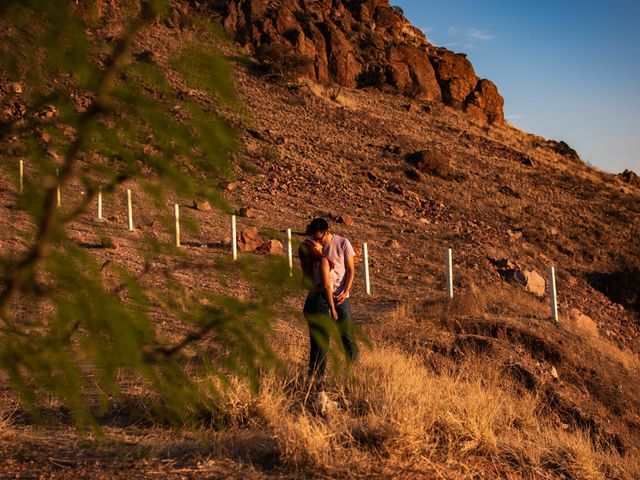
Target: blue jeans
x,y
318,316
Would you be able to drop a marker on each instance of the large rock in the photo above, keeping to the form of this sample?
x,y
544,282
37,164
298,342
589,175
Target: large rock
x,y
249,240
530,280
411,71
455,75
485,104
271,247
584,323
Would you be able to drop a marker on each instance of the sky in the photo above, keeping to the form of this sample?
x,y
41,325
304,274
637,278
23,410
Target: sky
x,y
567,69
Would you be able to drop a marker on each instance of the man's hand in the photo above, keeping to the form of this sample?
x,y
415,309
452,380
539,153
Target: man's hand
x,y
340,298
334,314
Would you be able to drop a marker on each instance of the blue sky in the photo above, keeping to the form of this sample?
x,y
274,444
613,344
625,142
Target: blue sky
x,y
567,69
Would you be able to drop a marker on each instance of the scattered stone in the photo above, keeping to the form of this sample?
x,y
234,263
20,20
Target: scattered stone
x,y
508,191
431,162
424,221
527,161
16,87
247,212
514,234
202,205
272,247
249,240
554,373
346,219
630,177
108,242
413,174
231,186
584,322
391,243
502,263
397,212
146,56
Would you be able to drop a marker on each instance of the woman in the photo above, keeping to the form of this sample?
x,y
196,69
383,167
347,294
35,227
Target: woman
x,y
319,307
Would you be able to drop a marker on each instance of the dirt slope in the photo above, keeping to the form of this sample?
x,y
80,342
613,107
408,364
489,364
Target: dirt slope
x,y
490,193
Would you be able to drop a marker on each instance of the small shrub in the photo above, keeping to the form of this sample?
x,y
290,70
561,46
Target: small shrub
x,y
372,76
280,60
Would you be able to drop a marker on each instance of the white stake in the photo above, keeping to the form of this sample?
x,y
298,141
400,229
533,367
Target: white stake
x,y
99,203
58,186
234,245
21,175
365,262
130,207
177,225
290,252
449,272
553,294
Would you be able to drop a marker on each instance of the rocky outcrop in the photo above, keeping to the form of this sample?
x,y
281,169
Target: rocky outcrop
x,y
361,43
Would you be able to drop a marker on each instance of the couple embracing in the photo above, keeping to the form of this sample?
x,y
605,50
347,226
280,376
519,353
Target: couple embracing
x,y
327,262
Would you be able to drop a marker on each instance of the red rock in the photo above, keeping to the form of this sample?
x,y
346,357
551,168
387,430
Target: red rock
x,y
365,43
346,219
249,240
247,212
397,211
272,247
393,244
202,205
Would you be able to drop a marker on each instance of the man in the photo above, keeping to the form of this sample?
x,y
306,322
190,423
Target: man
x,y
339,251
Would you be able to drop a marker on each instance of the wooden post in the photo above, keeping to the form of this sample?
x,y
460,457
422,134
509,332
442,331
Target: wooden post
x,y
234,240
130,208
449,272
553,294
99,203
365,262
58,187
177,225
21,176
290,252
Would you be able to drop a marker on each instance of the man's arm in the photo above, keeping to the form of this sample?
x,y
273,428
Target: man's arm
x,y
350,272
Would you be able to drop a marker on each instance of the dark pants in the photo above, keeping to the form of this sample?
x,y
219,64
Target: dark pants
x,y
317,313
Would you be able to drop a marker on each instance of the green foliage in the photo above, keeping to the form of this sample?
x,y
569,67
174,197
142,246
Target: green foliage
x,y
69,328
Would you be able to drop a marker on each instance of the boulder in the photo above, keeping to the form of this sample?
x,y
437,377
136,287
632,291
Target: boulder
x,y
584,323
393,244
485,104
410,71
202,205
247,212
397,212
249,240
530,280
346,219
455,75
272,247
630,177
432,162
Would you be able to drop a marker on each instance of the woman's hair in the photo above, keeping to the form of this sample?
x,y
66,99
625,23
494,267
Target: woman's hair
x,y
309,256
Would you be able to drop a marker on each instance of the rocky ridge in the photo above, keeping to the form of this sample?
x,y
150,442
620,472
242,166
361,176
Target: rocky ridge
x,y
361,43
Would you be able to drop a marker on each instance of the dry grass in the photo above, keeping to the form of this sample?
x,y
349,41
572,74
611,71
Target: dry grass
x,y
392,411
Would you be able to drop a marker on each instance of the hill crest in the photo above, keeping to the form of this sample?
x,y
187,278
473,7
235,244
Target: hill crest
x,y
360,43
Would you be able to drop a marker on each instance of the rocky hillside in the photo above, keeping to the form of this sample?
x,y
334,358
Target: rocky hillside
x,y
484,386
361,43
